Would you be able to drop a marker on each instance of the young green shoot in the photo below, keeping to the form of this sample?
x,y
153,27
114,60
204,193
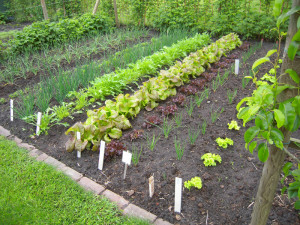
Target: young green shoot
x,y
231,95
166,127
152,141
178,120
190,107
215,114
136,154
178,148
193,135
199,99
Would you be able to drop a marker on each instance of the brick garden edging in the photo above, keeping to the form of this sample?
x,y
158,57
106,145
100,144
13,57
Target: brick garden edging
x,y
125,206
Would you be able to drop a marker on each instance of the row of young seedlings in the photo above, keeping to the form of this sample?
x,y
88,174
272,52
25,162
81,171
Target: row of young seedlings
x,y
110,84
108,121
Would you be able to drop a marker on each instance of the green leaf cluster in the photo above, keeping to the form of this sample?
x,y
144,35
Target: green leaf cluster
x,y
233,125
39,34
224,142
293,189
194,182
210,159
109,121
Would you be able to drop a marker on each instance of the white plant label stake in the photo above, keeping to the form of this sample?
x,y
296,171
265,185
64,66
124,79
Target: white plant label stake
x,y
38,124
178,194
151,186
237,66
78,138
101,155
11,110
126,158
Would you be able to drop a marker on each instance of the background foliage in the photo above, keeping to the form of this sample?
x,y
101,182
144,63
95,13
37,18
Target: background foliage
x,y
251,19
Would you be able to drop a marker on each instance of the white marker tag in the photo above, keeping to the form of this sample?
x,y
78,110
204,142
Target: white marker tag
x,y
151,186
78,138
101,155
237,66
11,110
126,157
178,194
39,118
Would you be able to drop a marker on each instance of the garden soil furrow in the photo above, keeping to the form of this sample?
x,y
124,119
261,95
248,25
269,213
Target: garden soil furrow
x,y
228,189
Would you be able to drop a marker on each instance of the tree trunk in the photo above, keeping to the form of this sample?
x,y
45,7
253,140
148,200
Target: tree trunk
x,y
44,10
116,13
96,7
272,168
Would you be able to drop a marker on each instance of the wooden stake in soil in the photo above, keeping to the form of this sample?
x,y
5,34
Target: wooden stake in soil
x,y
151,186
261,42
78,138
178,194
11,110
101,155
237,66
126,158
38,123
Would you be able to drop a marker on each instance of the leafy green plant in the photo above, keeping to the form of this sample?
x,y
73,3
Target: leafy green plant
x,y
2,100
233,125
231,95
136,154
194,182
152,141
211,159
178,148
193,135
50,33
214,115
224,142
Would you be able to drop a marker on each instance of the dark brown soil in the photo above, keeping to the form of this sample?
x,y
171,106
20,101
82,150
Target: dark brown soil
x,y
228,189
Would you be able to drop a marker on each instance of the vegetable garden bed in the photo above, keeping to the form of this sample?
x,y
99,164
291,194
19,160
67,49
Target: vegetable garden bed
x,y
228,188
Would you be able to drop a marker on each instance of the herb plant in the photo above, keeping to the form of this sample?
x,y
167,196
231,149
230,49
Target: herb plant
x,y
224,142
194,182
215,114
211,159
231,95
136,154
152,141
193,135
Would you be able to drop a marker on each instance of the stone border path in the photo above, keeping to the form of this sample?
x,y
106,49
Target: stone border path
x,y
125,206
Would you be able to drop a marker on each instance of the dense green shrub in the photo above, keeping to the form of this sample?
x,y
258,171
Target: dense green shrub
x,y
46,33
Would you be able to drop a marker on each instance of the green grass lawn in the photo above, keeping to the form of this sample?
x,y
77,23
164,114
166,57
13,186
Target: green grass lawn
x,y
32,192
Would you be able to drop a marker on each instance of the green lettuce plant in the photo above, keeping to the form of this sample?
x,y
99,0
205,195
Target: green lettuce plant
x,y
210,159
194,182
233,125
224,142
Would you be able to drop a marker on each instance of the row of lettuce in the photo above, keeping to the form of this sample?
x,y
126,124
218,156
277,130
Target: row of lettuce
x,y
108,121
109,84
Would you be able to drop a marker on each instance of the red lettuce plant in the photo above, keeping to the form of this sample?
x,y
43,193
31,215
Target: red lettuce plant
x,y
179,99
188,90
151,121
114,148
167,110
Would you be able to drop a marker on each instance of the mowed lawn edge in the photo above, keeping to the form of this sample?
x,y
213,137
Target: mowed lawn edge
x,y
33,192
